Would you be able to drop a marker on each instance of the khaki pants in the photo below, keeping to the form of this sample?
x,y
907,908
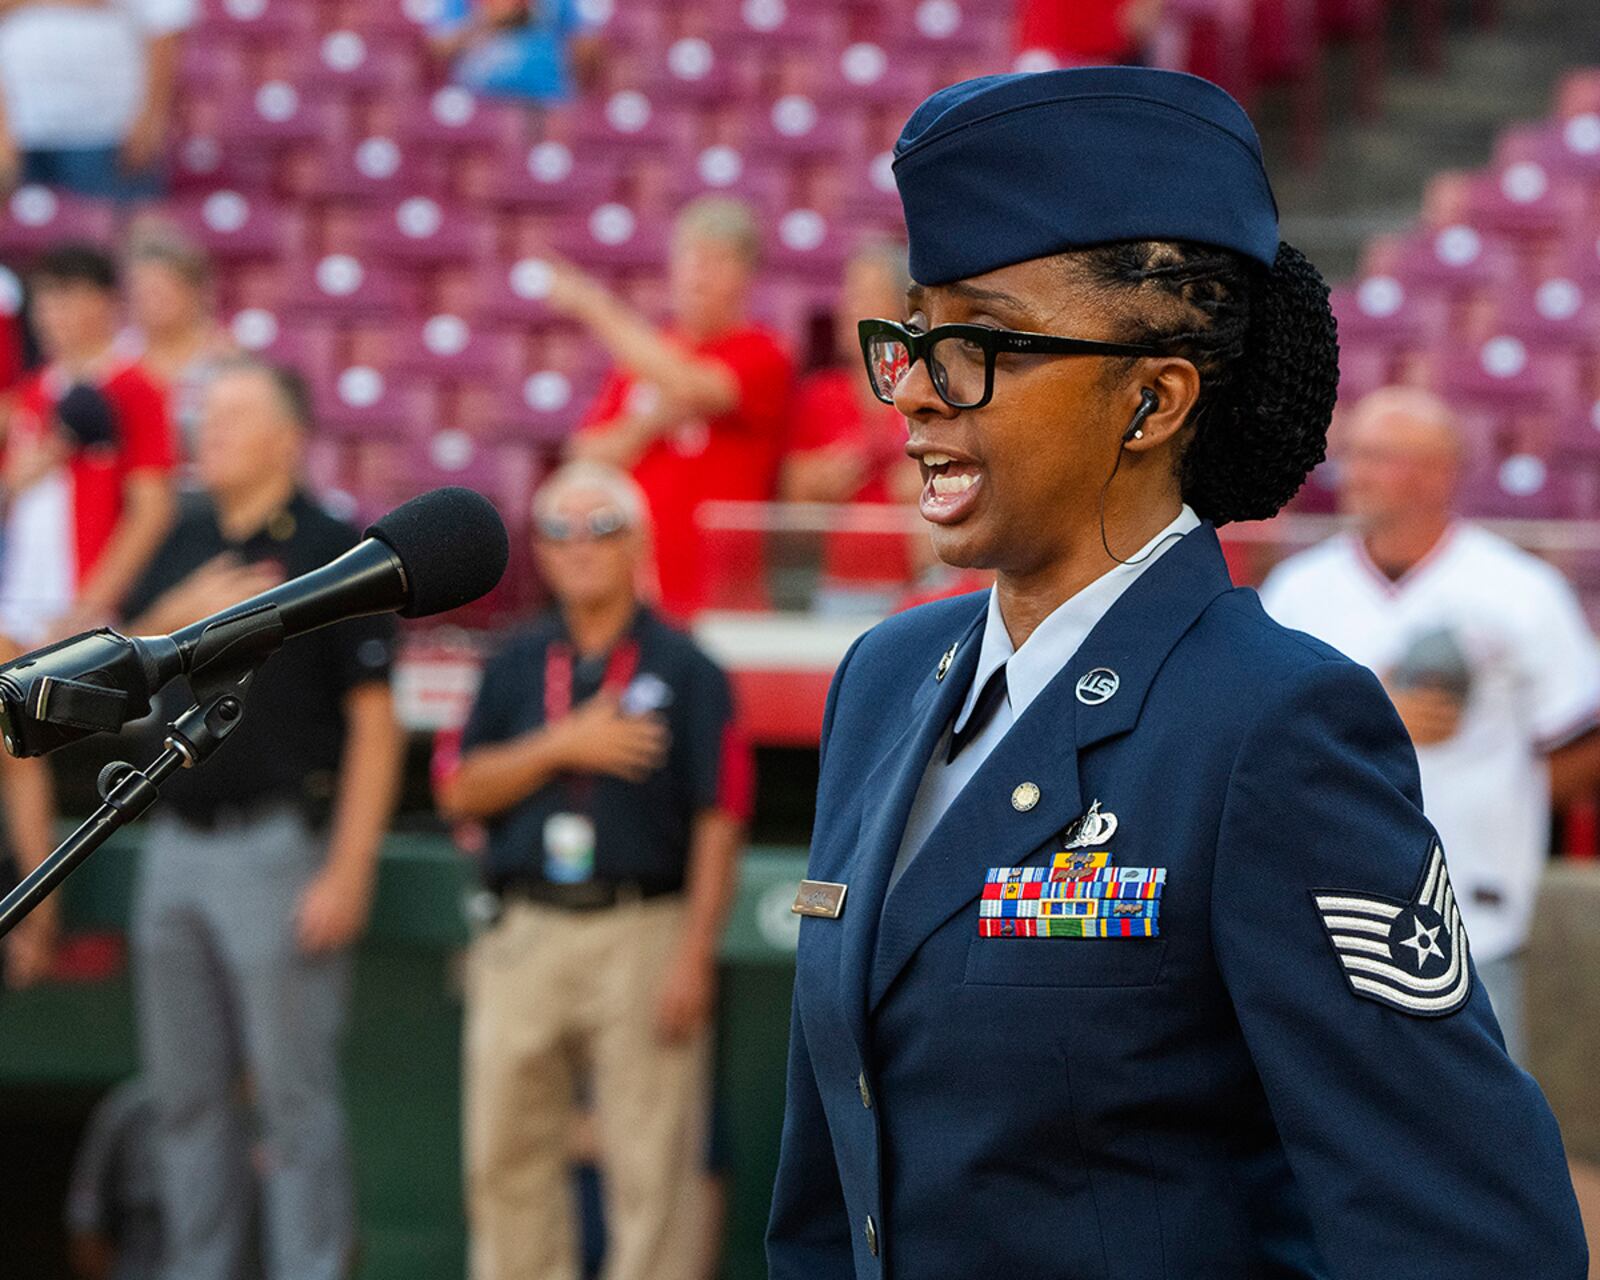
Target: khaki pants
x,y
553,995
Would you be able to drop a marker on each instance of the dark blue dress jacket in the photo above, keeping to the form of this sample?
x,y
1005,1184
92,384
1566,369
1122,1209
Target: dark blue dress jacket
x,y
1219,1101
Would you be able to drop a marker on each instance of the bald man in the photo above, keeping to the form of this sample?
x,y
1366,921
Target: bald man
x,y
1484,650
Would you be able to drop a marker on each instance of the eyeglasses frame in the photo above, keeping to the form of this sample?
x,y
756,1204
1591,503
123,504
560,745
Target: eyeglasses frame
x,y
993,341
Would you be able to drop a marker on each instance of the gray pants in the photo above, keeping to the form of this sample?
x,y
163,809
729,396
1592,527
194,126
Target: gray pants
x,y
225,997
1502,979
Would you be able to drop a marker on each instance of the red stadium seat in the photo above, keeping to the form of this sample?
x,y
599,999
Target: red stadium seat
x,y
1526,201
447,348
805,244
764,24
694,70
233,226
627,124
718,170
345,60
261,21
34,218
361,400
1505,372
276,113
312,350
419,230
375,168
342,286
544,175
452,118
1381,309
613,235
796,126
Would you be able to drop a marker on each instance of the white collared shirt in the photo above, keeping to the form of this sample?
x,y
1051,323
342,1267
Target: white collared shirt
x,y
1518,635
1051,647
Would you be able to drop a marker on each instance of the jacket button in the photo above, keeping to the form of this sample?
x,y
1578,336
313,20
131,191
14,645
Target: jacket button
x,y
872,1236
866,1094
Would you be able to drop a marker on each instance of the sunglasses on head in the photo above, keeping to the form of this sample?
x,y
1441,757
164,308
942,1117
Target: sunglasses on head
x,y
607,522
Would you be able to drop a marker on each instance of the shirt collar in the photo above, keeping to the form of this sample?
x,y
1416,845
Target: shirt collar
x,y
1055,640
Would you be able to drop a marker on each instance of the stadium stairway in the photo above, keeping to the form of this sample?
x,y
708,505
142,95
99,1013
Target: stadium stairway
x,y
1374,172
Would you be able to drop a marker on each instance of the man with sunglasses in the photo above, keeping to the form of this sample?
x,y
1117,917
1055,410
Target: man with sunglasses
x,y
603,757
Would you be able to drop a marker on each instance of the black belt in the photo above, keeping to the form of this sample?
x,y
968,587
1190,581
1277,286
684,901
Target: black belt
x,y
587,895
230,817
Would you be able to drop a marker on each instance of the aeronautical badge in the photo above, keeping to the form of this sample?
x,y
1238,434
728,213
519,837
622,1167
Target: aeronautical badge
x,y
1411,956
1093,828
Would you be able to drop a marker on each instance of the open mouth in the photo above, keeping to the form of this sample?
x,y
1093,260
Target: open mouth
x,y
950,487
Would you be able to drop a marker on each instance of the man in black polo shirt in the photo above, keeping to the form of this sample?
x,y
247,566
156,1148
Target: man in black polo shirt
x,y
258,866
603,755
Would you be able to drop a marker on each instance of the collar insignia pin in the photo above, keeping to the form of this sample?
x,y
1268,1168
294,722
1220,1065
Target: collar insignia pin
x,y
1097,686
1025,796
945,661
1093,828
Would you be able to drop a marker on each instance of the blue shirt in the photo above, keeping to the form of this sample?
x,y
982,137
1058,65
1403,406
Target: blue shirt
x,y
529,61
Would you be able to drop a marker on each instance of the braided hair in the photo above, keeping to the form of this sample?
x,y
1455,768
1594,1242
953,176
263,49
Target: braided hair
x,y
1266,347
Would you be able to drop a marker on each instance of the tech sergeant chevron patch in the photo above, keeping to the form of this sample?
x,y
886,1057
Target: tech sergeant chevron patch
x,y
1411,956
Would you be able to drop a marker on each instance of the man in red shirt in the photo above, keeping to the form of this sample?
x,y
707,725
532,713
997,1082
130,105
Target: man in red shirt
x,y
846,445
88,463
696,411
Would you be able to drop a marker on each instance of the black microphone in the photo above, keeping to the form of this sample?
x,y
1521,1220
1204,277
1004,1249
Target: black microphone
x,y
434,553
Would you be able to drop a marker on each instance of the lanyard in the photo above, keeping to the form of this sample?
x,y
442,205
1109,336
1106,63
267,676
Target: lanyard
x,y
558,667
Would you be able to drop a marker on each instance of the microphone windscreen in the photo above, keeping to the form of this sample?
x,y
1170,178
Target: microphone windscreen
x,y
453,545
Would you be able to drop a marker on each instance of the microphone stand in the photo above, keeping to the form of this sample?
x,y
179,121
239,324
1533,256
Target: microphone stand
x,y
127,793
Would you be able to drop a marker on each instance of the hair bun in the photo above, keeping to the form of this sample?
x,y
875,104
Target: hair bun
x,y
1254,452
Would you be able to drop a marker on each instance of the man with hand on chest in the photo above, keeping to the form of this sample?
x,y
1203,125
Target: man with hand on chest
x,y
603,755
258,868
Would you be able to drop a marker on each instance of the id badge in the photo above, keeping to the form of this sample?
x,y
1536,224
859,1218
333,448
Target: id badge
x,y
568,848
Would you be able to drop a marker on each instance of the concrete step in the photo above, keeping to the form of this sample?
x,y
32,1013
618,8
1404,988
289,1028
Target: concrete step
x,y
1372,176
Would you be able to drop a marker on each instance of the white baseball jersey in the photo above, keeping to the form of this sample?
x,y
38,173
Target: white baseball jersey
x,y
1534,672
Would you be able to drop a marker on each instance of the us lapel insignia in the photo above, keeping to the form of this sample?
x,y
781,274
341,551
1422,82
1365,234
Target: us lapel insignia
x,y
1097,686
1411,956
1093,828
943,668
821,898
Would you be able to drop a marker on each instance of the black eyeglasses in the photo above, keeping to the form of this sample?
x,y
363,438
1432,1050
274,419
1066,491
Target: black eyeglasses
x,y
607,522
961,356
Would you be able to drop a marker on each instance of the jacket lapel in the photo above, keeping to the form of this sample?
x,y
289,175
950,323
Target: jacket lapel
x,y
982,828
888,791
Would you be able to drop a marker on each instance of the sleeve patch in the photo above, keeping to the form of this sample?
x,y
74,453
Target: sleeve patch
x,y
1412,955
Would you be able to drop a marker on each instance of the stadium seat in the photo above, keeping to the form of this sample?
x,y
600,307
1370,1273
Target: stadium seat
x,y
446,348
343,286
33,218
310,349
543,175
449,118
1526,201
1380,309
367,402
348,61
419,230
265,22
625,125
612,235
1507,372
276,113
716,170
373,169
232,226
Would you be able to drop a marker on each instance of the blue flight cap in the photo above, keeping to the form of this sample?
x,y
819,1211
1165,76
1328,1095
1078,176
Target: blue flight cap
x,y
1006,168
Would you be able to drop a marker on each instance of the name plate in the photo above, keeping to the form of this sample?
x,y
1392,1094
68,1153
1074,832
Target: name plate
x,y
820,898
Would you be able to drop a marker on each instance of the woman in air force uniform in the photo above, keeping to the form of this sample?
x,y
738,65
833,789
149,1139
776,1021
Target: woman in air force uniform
x,y
1126,949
